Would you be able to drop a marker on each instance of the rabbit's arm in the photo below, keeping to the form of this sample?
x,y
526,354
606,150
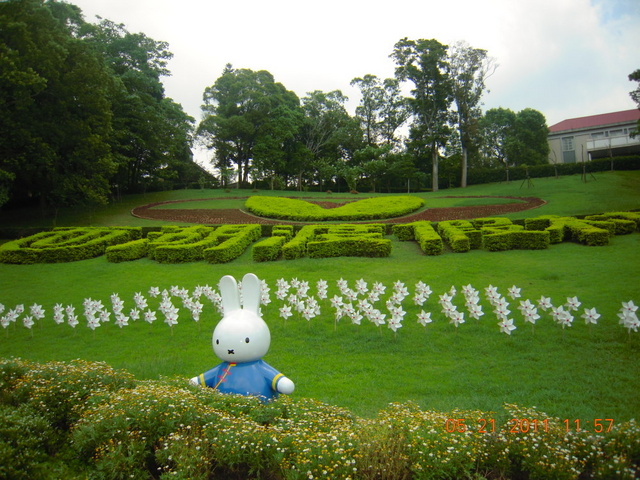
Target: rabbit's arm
x,y
284,385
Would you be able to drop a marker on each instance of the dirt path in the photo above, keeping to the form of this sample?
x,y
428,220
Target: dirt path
x,y
223,216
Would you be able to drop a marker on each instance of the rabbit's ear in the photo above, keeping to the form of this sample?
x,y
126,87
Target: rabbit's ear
x,y
229,292
251,293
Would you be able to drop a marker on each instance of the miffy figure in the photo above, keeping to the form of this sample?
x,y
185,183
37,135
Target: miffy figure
x,y
240,340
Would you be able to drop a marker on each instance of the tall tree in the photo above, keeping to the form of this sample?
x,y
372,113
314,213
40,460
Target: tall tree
x,y
382,109
247,113
469,68
152,134
425,64
55,103
496,131
514,138
329,134
530,145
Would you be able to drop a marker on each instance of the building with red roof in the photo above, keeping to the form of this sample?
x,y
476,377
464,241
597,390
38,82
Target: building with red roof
x,y
596,136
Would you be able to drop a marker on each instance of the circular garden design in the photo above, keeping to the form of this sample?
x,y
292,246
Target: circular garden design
x,y
154,211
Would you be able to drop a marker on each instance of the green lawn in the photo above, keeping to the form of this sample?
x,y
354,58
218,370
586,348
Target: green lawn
x,y
580,372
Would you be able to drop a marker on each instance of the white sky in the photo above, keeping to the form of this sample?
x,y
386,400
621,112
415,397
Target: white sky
x,y
565,58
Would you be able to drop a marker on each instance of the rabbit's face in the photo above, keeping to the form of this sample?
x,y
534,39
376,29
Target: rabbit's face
x,y
241,337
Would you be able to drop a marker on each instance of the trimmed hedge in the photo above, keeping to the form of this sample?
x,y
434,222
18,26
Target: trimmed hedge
x,y
297,246
66,244
348,246
587,232
268,249
301,211
126,252
235,240
625,222
461,235
428,239
172,243
495,240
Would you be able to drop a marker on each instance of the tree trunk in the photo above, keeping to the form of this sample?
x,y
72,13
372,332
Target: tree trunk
x,y
434,180
463,175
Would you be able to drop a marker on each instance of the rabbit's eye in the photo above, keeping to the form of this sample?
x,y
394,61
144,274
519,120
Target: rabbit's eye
x,y
217,342
246,340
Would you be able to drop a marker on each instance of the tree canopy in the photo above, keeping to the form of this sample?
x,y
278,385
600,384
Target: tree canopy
x,y
85,117
84,110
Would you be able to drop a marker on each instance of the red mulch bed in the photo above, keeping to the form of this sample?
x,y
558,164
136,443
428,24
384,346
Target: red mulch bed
x,y
235,216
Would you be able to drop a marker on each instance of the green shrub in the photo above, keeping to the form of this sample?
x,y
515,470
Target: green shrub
x,y
26,439
461,235
553,224
235,240
60,390
285,231
126,252
428,239
297,247
515,239
348,246
187,252
404,231
299,210
268,249
581,232
625,222
66,244
175,236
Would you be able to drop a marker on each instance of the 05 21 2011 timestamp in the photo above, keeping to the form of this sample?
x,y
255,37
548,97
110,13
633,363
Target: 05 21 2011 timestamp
x,y
525,425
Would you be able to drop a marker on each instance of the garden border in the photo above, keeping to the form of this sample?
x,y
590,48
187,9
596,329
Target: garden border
x,y
226,216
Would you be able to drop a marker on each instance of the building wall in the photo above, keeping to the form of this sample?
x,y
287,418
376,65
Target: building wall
x,y
571,146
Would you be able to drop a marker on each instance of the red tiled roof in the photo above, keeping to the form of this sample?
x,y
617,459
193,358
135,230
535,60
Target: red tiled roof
x,y
596,120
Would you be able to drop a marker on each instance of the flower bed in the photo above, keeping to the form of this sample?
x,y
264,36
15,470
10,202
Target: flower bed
x,y
122,428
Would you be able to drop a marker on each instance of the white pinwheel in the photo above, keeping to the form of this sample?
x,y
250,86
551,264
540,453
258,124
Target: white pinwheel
x,y
27,321
545,303
424,318
150,316
514,292
507,326
285,311
36,311
572,304
590,316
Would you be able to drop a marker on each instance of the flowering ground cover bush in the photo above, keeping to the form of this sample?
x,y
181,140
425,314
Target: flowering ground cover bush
x,y
170,429
302,211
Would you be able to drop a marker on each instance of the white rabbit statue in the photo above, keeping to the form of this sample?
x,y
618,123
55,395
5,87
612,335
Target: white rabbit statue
x,y
240,340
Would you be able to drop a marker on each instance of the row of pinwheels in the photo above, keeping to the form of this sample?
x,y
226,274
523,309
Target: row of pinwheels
x,y
361,301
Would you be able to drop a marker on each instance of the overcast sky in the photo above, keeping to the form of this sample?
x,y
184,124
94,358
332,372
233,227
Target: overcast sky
x,y
565,58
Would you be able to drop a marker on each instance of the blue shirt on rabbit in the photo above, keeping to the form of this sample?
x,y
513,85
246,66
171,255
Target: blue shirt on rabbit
x,y
248,378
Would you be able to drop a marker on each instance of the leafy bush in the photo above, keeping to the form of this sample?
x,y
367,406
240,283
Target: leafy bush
x,y
268,249
180,237
348,246
299,210
428,239
297,247
66,244
121,428
235,240
26,440
126,252
60,390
